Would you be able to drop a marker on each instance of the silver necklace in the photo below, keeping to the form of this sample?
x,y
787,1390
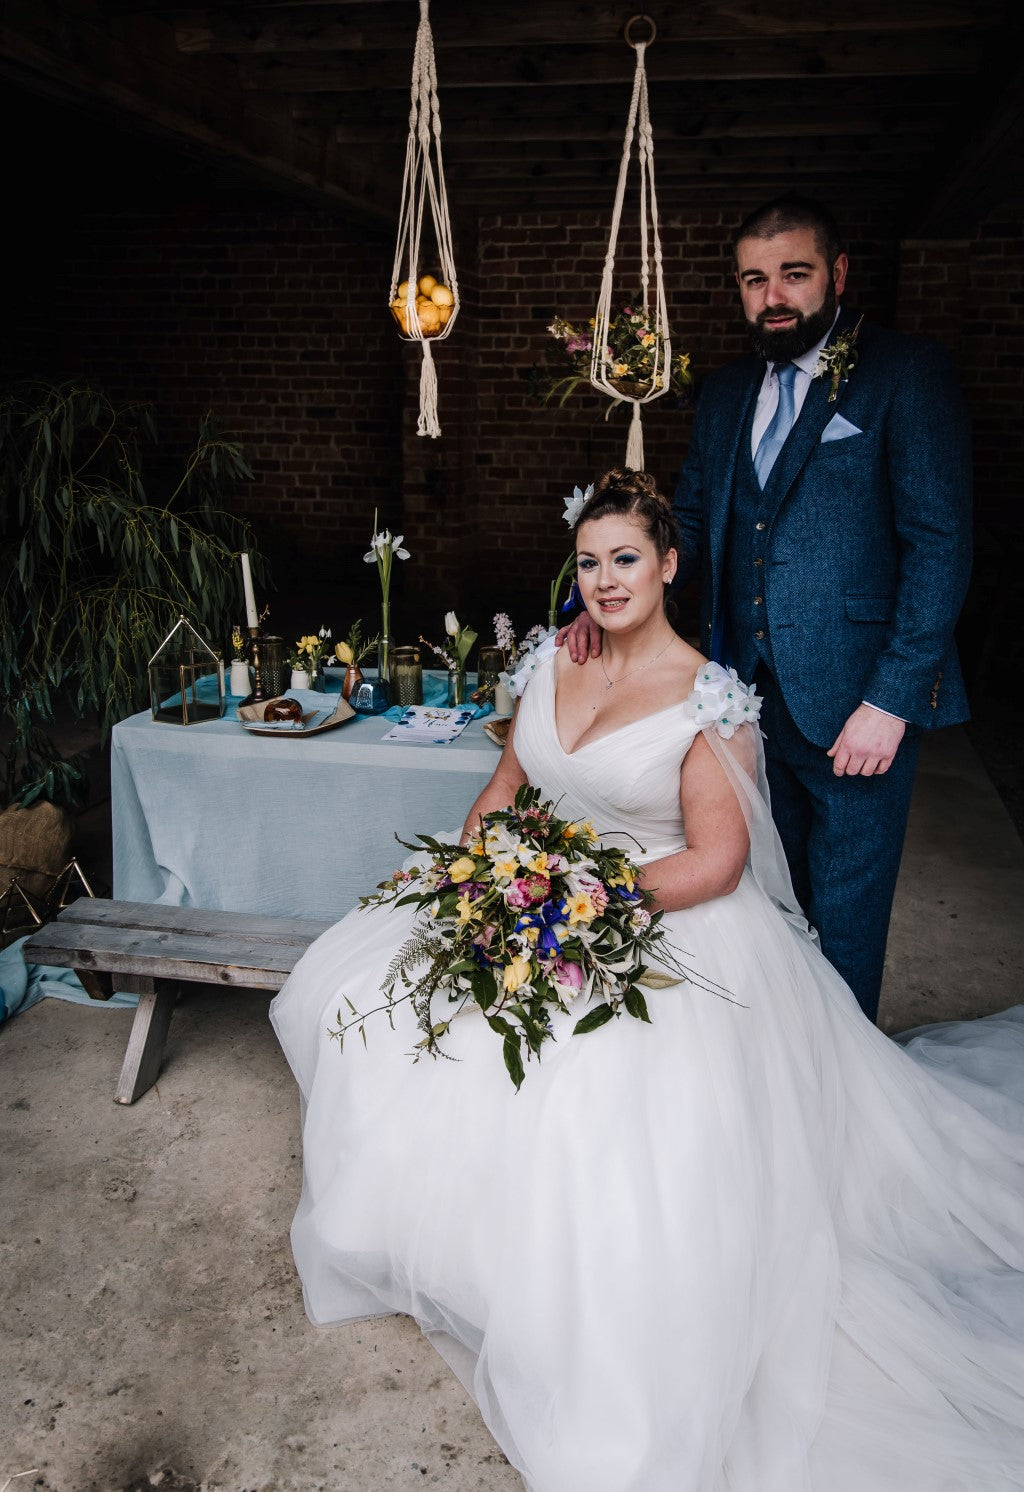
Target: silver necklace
x,y
632,671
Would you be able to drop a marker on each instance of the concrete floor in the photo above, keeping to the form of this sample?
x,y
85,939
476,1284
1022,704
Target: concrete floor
x,y
153,1330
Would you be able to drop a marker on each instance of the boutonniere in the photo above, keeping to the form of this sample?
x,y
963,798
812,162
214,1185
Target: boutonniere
x,y
838,360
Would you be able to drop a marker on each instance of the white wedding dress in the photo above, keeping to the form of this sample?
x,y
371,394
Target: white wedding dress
x,y
750,1247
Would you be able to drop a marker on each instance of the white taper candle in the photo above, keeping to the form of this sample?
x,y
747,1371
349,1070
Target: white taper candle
x,y
251,618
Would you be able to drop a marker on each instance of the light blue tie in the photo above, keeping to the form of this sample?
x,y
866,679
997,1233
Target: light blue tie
x,y
774,438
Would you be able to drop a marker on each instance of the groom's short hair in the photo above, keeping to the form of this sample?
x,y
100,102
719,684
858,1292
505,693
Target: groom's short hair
x,y
783,214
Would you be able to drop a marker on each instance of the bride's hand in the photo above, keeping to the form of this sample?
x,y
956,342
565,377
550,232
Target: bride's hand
x,y
583,637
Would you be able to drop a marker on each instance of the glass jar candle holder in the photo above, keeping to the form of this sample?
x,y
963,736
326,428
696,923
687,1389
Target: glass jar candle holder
x,y
407,676
489,665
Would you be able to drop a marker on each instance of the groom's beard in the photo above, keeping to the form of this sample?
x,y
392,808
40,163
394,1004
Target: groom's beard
x,y
784,346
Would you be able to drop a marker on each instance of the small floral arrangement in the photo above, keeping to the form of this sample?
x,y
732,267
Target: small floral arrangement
x,y
630,356
460,639
532,917
237,644
516,653
838,360
308,652
355,647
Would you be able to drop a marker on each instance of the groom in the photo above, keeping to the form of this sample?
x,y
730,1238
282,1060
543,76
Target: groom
x,y
828,517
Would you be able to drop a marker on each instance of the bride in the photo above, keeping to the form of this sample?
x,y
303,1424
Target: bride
x,y
752,1246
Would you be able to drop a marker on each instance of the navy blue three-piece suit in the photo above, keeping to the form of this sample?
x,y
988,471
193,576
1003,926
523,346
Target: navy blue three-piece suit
x,y
841,582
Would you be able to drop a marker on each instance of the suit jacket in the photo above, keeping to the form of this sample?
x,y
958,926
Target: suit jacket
x,y
868,536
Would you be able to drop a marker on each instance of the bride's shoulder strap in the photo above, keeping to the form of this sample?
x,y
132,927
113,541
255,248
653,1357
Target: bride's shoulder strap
x,y
719,698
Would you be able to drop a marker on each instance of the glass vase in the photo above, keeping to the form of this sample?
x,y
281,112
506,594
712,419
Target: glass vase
x,y
456,686
385,645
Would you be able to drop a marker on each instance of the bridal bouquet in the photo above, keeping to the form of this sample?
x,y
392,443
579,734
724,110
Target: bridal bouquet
x,y
533,916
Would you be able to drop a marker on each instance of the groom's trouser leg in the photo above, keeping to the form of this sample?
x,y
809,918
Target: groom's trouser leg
x,y
843,838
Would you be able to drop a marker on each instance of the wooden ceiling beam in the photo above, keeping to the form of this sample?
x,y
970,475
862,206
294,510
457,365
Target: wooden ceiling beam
x,y
726,155
948,54
130,67
979,162
495,128
255,29
896,97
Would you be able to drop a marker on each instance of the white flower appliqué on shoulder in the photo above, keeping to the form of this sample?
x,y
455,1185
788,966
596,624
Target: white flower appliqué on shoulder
x,y
539,654
720,698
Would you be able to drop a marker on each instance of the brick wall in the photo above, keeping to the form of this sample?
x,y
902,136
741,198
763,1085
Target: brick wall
x,y
275,319
273,315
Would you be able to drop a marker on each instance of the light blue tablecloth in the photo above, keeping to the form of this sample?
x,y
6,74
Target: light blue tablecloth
x,y
209,815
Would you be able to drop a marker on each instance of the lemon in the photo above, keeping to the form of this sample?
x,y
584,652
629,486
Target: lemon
x,y
403,290
427,283
445,313
442,296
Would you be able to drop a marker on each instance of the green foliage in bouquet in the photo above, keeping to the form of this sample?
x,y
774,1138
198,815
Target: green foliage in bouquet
x,y
532,917
94,570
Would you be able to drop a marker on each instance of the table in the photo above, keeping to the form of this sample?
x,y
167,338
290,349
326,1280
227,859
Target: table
x,y
208,815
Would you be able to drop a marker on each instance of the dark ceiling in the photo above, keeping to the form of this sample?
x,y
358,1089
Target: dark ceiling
x,y
913,107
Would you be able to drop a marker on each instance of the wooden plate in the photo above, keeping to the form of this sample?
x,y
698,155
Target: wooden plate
x,y
497,730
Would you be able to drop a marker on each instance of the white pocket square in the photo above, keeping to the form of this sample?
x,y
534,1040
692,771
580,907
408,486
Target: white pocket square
x,y
838,429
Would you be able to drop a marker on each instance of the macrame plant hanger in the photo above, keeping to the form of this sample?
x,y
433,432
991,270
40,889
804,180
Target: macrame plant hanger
x,y
601,374
423,186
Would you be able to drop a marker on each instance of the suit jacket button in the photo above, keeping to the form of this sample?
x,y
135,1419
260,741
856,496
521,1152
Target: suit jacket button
x,y
760,526
759,634
758,600
759,562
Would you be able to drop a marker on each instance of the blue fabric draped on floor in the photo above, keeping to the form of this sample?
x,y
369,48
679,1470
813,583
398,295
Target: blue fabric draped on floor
x,y
22,985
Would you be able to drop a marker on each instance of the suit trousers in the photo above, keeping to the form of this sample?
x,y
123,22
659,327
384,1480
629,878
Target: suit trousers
x,y
843,838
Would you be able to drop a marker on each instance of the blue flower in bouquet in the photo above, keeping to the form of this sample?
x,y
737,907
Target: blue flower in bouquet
x,y
534,914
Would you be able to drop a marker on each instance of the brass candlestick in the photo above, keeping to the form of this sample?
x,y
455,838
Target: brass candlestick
x,y
258,694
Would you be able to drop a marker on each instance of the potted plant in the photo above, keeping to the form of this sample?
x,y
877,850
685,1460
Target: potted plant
x,y
94,570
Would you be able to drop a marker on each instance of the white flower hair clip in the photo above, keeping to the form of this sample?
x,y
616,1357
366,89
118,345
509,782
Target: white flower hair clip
x,y
574,505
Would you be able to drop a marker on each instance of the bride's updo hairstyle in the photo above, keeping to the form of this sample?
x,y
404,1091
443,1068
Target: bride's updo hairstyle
x,y
634,494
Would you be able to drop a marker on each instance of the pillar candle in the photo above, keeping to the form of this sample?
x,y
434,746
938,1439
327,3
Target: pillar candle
x,y
251,617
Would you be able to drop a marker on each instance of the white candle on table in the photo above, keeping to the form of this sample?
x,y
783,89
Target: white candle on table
x,y
251,618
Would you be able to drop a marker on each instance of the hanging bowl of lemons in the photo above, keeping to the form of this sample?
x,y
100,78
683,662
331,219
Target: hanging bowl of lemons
x,y
433,305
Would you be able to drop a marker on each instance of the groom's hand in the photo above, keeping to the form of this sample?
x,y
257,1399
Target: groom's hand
x,y
582,637
867,743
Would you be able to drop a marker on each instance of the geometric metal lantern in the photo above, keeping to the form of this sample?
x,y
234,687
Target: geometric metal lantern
x,y
186,678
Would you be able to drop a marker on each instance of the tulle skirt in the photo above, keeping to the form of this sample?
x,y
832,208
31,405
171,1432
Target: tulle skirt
x,y
753,1246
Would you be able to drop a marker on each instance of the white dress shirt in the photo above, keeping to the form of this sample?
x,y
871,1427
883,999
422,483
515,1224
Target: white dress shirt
x,y
768,395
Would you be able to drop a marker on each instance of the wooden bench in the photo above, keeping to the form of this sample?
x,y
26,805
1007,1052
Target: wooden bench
x,y
149,950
